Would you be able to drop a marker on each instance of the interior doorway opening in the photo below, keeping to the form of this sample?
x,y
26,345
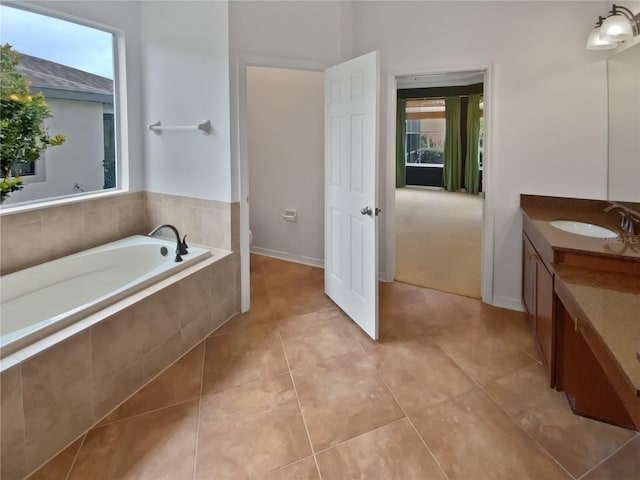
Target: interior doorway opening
x,y
439,181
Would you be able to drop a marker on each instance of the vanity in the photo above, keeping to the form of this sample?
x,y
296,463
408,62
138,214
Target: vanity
x,y
582,296
581,271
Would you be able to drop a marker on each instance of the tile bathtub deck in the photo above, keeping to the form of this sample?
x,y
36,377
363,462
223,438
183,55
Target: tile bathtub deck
x,y
293,390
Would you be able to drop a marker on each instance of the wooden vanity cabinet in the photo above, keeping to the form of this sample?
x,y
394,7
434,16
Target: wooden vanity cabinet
x,y
538,299
592,382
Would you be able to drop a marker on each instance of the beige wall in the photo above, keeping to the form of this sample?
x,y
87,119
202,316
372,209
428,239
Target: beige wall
x,y
205,222
42,234
33,237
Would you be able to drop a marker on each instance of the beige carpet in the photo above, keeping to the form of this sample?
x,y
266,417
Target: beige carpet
x,y
438,240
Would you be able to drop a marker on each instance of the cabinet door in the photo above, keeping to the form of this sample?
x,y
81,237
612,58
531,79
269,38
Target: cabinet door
x,y
529,259
544,323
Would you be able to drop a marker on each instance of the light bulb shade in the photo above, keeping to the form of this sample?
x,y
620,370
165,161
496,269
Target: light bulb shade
x,y
594,42
616,28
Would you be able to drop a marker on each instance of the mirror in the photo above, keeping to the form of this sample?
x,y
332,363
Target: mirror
x,y
67,69
623,75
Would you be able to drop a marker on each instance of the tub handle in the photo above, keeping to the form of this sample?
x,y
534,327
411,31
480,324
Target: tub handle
x,y
184,245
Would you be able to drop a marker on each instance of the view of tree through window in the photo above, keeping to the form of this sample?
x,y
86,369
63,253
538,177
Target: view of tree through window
x,y
71,67
426,130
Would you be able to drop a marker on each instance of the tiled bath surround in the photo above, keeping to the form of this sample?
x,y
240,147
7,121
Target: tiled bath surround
x,y
50,399
55,396
205,222
37,236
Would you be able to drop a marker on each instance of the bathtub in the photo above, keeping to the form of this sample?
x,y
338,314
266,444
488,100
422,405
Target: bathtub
x,y
38,301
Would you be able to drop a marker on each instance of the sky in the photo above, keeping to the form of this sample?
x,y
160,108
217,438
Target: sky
x,y
57,40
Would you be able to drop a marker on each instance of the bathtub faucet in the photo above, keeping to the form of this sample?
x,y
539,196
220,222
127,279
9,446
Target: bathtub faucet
x,y
181,245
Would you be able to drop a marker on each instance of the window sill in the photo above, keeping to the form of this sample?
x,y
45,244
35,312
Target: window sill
x,y
55,202
437,165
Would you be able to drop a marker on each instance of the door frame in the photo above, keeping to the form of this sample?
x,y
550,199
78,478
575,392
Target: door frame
x,y
488,209
239,146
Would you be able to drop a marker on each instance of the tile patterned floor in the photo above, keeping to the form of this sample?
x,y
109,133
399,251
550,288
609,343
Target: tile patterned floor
x,y
293,390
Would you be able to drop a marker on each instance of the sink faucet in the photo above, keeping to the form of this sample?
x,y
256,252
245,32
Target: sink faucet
x,y
630,218
181,245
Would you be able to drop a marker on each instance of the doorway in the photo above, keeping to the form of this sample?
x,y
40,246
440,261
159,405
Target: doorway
x,y
439,170
285,141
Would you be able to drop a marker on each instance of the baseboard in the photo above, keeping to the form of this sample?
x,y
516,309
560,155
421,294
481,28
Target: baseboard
x,y
508,302
291,257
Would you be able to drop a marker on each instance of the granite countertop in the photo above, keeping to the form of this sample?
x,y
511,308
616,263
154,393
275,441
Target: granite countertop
x,y
609,300
611,303
541,210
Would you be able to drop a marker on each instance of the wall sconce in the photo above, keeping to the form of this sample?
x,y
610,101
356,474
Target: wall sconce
x,y
619,26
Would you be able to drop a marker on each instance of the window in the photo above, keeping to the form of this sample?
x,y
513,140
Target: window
x,y
73,67
426,128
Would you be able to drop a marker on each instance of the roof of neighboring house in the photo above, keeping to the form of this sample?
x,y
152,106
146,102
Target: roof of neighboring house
x,y
60,81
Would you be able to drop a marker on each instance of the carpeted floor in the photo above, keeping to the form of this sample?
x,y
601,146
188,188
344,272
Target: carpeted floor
x,y
438,240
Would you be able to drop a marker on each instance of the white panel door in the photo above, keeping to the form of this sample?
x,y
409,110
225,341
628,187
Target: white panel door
x,y
351,234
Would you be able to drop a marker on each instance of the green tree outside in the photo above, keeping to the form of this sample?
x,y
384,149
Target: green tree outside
x,y
22,132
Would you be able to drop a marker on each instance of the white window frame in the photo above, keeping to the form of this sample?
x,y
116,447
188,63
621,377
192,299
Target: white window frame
x,y
120,116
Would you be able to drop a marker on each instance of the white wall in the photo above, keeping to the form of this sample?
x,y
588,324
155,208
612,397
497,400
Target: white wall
x,y
549,95
185,63
124,16
286,161
310,34
77,160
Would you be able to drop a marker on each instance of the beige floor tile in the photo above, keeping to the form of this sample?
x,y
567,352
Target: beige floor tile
x,y
624,465
241,357
341,398
311,338
250,430
578,443
303,470
415,312
487,347
472,439
392,328
58,468
395,289
419,375
157,445
431,345
299,298
260,313
179,383
277,273
389,452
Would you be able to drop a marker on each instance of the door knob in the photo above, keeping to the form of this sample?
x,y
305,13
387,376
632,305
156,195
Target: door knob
x,y
378,210
366,211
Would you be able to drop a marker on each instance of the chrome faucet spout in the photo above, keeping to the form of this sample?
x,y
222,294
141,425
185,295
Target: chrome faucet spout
x,y
181,245
613,206
629,218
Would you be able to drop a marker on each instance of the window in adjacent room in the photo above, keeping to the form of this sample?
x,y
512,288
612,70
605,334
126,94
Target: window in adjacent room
x,y
426,130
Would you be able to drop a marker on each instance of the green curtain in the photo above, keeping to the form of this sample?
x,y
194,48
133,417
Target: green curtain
x,y
401,141
472,171
452,175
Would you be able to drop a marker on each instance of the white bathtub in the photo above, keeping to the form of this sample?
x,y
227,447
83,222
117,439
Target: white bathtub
x,y
40,300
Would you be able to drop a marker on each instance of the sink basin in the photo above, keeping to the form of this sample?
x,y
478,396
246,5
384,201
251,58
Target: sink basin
x,y
582,228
